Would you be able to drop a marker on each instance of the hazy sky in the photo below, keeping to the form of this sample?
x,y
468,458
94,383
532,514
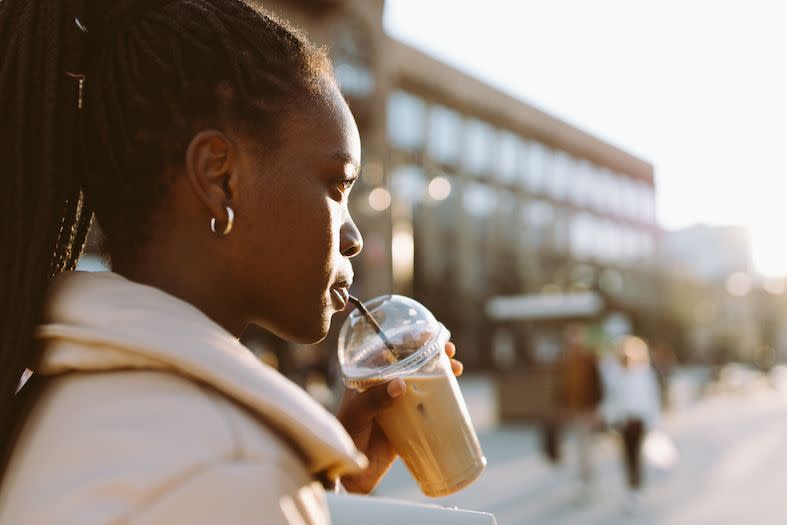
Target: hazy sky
x,y
697,87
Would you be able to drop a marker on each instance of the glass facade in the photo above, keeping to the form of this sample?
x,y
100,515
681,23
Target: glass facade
x,y
479,147
408,184
479,200
502,199
509,150
536,163
406,121
445,135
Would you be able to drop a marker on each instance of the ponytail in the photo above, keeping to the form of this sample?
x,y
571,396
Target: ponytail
x,y
44,217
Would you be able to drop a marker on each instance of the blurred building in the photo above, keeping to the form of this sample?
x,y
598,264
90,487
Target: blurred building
x,y
708,253
714,295
467,193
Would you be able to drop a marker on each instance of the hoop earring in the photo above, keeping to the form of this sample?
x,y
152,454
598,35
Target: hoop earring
x,y
230,220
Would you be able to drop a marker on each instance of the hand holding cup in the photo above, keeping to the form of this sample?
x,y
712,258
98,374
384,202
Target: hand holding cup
x,y
357,412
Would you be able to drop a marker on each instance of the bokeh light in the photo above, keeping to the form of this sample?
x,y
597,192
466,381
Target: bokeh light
x,y
379,199
439,188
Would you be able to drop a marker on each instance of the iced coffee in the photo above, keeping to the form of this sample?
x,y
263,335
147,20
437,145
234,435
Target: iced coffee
x,y
429,426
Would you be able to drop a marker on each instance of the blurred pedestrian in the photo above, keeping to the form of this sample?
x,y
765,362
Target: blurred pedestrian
x,y
217,151
579,392
631,406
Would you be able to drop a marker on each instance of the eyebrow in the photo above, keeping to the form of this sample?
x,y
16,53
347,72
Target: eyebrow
x,y
347,159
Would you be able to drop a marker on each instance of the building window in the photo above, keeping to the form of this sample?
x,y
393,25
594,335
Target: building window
x,y
557,182
583,236
628,244
580,187
561,231
507,208
612,191
408,184
479,144
615,233
479,200
510,147
535,166
632,198
537,217
352,60
597,188
647,203
406,120
445,134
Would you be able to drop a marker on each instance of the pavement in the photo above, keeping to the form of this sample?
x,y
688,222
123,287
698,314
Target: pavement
x,y
732,466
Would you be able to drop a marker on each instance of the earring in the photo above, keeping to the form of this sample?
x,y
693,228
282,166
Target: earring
x,y
230,219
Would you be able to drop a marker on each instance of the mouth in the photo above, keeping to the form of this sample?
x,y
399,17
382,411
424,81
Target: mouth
x,y
340,294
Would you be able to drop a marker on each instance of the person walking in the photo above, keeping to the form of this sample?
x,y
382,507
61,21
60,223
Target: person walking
x,y
213,144
579,392
632,407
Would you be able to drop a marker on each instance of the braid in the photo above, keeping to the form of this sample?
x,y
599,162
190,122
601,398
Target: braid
x,y
43,222
156,73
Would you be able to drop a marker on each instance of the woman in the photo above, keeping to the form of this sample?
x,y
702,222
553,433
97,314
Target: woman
x,y
217,152
631,405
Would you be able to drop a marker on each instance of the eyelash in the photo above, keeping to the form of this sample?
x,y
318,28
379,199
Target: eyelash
x,y
346,184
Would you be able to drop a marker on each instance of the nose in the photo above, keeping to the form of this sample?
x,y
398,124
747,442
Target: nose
x,y
351,242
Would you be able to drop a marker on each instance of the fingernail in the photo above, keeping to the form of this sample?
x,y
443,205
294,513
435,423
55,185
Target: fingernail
x,y
396,388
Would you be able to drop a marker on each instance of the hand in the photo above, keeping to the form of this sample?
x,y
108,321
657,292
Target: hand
x,y
357,412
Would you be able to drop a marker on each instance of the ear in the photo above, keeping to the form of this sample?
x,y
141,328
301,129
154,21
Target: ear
x,y
211,168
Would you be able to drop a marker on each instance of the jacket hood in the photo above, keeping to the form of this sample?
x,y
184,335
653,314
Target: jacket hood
x,y
102,321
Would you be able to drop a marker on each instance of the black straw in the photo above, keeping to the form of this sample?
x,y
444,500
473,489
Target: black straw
x,y
359,304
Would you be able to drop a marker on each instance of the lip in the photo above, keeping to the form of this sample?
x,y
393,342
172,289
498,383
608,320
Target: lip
x,y
340,296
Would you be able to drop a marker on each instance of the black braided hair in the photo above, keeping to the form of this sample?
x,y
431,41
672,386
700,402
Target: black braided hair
x,y
155,74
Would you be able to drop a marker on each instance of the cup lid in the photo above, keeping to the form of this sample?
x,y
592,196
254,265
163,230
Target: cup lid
x,y
412,331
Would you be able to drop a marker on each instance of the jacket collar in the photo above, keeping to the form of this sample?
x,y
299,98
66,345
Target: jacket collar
x,y
103,321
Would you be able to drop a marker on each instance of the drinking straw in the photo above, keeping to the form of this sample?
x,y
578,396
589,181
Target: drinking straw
x,y
359,304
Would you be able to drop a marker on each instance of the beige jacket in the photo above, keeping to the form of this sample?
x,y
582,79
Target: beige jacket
x,y
154,414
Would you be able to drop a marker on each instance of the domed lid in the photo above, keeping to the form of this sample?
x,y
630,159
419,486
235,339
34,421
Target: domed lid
x,y
408,336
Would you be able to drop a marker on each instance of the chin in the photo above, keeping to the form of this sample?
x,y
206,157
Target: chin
x,y
305,333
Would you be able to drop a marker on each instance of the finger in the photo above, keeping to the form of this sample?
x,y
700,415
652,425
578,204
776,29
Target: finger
x,y
457,367
450,349
396,388
382,395
358,409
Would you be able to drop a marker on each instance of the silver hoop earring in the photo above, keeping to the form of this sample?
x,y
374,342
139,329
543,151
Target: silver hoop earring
x,y
230,220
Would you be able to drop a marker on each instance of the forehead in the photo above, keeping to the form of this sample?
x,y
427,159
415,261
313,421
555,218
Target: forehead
x,y
322,130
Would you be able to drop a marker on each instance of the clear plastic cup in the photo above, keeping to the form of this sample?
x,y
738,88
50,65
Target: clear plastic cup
x,y
429,426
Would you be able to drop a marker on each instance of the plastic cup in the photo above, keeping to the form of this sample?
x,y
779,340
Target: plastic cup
x,y
429,426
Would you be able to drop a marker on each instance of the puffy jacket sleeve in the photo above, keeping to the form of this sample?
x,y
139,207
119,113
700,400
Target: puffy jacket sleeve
x,y
240,493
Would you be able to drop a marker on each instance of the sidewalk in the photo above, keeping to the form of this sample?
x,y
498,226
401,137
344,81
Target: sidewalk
x,y
732,466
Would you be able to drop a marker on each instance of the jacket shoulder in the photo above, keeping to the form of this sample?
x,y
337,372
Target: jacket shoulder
x,y
117,439
240,493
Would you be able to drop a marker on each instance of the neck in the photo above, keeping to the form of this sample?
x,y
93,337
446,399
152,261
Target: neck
x,y
201,288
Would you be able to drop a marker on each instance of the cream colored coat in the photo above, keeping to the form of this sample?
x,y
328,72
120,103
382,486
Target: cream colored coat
x,y
154,415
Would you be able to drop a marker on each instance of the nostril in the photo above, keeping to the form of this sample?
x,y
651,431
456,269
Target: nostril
x,y
353,247
353,250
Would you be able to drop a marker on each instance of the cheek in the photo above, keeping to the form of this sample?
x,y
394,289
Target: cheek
x,y
291,241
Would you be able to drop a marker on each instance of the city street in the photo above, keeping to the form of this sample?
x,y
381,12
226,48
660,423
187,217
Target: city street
x,y
732,469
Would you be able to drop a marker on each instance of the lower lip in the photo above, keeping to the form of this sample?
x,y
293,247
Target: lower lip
x,y
338,299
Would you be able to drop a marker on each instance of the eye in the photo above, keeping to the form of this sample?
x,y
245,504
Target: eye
x,y
345,183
